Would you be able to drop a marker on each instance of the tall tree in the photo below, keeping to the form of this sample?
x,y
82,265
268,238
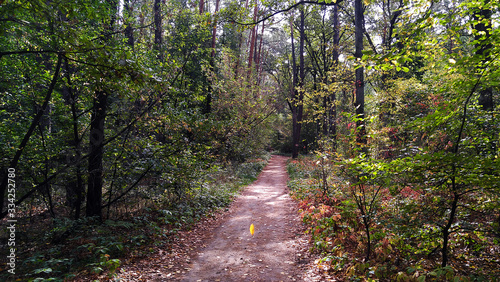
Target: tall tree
x,y
158,28
240,44
297,90
359,102
214,30
292,103
201,6
253,37
258,57
97,136
208,99
129,31
75,190
482,33
332,116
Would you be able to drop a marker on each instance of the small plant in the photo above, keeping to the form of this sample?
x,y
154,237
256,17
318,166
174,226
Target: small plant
x,y
105,263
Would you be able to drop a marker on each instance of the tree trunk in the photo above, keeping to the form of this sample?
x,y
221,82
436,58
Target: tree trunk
x,y
302,72
158,28
301,52
359,103
446,229
208,98
366,223
258,59
202,6
332,117
46,188
252,41
214,29
75,189
293,102
336,33
300,84
298,94
483,45
97,123
95,181
259,52
129,32
240,43
498,225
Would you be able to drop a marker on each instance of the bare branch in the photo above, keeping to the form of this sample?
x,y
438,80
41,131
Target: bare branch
x,y
284,10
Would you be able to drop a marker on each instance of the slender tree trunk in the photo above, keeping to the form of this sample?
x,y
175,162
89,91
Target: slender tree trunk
x,y
258,57
97,125
366,223
483,45
252,41
302,70
359,103
214,30
240,43
293,103
301,50
298,82
326,116
158,28
365,210
201,6
75,187
95,181
208,98
446,229
259,52
129,32
46,188
483,38
79,189
332,117
498,226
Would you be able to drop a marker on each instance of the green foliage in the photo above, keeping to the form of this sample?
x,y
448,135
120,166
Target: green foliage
x,y
162,150
375,201
88,247
159,135
184,128
250,170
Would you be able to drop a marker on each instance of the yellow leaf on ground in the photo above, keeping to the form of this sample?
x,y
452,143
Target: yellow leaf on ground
x,y
252,229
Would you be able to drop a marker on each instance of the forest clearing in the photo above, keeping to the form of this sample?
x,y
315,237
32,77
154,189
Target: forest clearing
x,y
137,137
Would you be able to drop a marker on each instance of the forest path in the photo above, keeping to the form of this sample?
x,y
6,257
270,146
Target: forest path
x,y
220,247
273,253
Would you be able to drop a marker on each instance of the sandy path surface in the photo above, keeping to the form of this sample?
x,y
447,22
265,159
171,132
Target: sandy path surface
x,y
272,253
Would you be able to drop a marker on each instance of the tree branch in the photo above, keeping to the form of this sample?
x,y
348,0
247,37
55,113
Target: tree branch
x,y
34,123
284,10
129,188
464,117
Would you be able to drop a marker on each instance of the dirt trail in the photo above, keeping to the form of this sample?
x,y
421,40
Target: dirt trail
x,y
272,253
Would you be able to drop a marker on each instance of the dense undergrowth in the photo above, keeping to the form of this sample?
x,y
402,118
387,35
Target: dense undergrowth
x,y
57,249
378,227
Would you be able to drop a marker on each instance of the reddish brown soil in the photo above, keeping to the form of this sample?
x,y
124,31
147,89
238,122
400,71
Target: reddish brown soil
x,y
222,248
